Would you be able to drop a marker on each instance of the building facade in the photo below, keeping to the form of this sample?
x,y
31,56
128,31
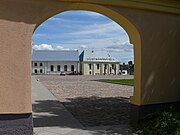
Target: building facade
x,y
55,62
98,63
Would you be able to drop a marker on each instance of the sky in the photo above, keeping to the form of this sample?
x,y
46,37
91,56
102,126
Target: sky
x,y
83,30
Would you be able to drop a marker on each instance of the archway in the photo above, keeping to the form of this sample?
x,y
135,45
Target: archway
x,y
88,99
122,21
156,38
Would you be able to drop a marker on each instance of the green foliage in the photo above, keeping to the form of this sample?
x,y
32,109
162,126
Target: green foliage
x,y
165,123
123,81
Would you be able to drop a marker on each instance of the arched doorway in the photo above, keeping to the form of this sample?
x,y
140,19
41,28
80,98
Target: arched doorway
x,y
74,90
153,42
122,21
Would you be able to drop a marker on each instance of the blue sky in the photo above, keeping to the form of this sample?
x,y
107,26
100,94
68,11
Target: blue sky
x,y
83,30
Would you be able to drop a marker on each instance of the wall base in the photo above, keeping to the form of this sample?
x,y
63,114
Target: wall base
x,y
16,124
138,112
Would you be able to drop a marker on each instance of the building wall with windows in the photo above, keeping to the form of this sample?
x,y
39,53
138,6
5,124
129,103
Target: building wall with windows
x,y
98,63
95,68
55,67
55,62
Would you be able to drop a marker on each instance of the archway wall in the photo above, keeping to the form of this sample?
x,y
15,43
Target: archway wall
x,y
31,15
159,54
154,33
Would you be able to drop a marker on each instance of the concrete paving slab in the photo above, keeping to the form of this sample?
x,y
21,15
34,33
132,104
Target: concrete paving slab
x,y
50,117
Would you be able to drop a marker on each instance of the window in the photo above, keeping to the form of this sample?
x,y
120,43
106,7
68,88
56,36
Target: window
x,y
65,67
97,66
35,64
113,66
90,66
72,68
58,68
35,71
105,66
90,72
52,68
41,64
41,71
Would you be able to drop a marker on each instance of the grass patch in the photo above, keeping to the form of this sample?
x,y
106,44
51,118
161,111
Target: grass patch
x,y
164,123
121,82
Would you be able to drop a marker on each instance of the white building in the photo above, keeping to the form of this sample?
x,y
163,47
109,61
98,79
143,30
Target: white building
x,y
98,63
55,62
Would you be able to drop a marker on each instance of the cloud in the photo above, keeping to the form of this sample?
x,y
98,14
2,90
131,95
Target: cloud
x,y
92,14
49,47
38,35
100,29
83,46
58,47
83,30
82,13
43,47
121,47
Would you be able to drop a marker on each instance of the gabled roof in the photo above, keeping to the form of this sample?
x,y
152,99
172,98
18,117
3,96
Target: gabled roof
x,y
54,55
97,56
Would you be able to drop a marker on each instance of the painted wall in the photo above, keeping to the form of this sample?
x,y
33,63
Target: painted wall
x,y
154,33
160,49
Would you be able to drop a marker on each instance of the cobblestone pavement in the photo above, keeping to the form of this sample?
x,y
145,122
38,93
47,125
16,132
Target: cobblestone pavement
x,y
91,102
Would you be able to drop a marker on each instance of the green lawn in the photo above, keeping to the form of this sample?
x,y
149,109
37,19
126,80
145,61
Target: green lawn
x,y
122,82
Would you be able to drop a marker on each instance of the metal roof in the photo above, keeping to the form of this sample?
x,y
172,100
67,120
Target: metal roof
x,y
97,56
54,55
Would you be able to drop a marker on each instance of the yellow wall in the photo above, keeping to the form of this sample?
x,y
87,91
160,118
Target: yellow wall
x,y
100,71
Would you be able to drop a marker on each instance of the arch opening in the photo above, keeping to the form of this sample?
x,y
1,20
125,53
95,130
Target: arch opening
x,y
130,29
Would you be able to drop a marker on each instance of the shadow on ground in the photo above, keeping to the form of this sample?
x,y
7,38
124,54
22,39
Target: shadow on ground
x,y
98,111
90,112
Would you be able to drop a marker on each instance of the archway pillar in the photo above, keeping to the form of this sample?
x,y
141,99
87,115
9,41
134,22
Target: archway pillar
x,y
15,69
157,88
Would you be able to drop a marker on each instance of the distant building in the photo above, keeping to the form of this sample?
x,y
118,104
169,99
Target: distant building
x,y
98,63
127,67
55,62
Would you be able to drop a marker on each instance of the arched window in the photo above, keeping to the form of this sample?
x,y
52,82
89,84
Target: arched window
x,y
90,66
35,71
58,68
72,68
65,67
97,66
41,71
52,68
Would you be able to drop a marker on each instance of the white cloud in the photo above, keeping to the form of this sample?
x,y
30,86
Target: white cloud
x,y
82,13
66,21
121,47
58,47
100,29
83,46
38,35
92,14
43,47
49,47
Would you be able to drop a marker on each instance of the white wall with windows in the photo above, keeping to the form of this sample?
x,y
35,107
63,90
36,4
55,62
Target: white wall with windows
x,y
55,67
95,68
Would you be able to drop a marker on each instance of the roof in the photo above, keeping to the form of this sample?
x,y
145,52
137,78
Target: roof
x,y
54,55
96,56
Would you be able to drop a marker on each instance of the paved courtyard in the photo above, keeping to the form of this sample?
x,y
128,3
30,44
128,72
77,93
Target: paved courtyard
x,y
96,105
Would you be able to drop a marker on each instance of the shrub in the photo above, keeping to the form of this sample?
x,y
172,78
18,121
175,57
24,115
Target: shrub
x,y
164,123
